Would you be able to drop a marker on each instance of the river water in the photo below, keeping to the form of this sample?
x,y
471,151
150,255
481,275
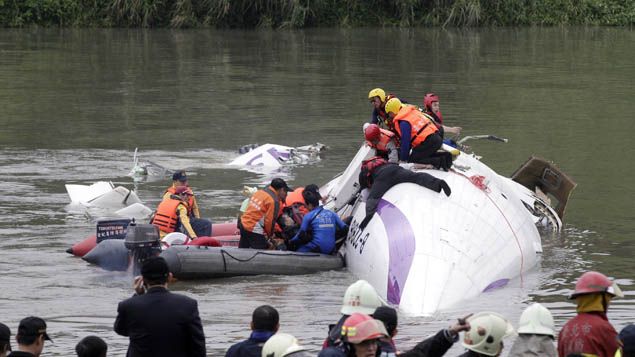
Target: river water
x,y
74,104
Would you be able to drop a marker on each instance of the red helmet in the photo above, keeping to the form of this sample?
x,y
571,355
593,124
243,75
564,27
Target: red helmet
x,y
372,132
429,99
593,282
358,328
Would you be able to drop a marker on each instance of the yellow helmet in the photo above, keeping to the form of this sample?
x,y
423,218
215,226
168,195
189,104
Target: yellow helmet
x,y
393,106
377,92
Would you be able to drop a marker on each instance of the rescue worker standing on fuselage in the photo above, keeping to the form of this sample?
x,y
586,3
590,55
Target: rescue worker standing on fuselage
x,y
383,141
172,214
317,233
418,132
258,222
202,226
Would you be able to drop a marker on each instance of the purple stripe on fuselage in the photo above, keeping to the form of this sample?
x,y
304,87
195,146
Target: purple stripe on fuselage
x,y
495,285
401,248
278,155
254,158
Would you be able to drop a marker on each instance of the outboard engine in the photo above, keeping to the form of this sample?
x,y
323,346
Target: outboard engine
x,y
142,241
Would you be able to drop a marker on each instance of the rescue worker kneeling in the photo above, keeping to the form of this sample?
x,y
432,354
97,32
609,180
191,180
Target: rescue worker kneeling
x,y
172,214
379,176
383,141
418,132
258,223
319,228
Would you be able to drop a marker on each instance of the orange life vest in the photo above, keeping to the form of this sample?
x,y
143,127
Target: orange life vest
x,y
385,136
167,218
294,196
295,205
263,209
190,200
421,126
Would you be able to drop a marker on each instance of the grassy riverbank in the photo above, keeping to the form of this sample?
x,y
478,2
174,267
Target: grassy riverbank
x,y
313,13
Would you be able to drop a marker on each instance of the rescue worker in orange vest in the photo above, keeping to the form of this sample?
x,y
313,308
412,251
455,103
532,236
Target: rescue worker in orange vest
x,y
378,99
379,176
295,208
432,109
383,141
258,223
172,216
293,212
419,132
179,178
590,333
201,225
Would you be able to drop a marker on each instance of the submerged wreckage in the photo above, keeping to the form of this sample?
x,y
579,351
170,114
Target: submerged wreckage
x,y
425,252
422,251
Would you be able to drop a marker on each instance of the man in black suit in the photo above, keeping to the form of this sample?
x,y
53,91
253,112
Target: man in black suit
x,y
158,322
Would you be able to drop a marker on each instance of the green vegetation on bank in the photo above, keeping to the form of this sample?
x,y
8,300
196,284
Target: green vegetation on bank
x,y
313,13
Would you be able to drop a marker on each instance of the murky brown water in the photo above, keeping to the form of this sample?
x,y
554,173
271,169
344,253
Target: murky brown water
x,y
75,103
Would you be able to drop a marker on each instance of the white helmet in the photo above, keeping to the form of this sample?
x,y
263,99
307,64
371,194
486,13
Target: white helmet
x,y
364,127
487,330
174,238
536,320
281,345
360,297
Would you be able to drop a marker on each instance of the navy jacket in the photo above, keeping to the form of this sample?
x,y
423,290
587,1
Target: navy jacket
x,y
160,323
251,347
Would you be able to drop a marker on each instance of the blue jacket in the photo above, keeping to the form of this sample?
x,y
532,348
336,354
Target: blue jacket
x,y
406,132
322,225
251,347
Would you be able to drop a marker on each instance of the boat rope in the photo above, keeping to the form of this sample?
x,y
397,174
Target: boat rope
x,y
257,253
479,182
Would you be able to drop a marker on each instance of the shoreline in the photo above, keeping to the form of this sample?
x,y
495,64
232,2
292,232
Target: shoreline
x,y
284,14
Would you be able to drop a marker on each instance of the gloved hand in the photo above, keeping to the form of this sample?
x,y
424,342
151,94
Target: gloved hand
x,y
406,165
442,185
